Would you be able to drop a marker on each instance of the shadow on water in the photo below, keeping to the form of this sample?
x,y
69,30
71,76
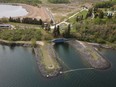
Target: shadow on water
x,y
71,57
12,47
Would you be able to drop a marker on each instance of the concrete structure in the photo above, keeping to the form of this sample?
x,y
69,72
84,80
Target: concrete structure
x,y
6,26
59,40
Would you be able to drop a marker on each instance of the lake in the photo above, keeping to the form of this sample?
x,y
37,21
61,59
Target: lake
x,y
18,68
12,11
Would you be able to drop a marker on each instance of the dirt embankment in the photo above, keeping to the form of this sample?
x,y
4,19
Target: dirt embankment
x,y
35,12
91,55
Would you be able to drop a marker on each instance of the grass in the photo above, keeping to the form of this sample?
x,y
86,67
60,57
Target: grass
x,y
73,20
25,26
50,63
93,53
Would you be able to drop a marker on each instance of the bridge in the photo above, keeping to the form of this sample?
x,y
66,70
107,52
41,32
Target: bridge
x,y
59,40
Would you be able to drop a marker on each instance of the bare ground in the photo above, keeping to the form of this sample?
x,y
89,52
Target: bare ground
x,y
36,12
61,11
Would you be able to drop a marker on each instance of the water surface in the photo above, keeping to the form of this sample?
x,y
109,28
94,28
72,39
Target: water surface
x,y
18,68
12,11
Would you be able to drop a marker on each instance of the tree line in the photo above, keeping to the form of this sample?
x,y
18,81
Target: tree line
x,y
105,4
31,2
65,33
59,1
26,20
95,33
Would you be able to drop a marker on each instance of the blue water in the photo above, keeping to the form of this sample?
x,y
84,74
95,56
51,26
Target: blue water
x,y
18,68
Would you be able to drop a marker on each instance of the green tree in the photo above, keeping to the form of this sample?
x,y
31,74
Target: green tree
x,y
54,31
58,31
101,14
89,14
67,32
4,20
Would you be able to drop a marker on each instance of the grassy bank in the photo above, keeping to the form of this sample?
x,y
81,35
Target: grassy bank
x,y
48,58
24,34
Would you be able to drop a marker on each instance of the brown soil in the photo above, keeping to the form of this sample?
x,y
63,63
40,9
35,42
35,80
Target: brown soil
x,y
61,11
36,12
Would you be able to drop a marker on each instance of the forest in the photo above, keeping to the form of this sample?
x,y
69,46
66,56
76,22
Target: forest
x,y
100,27
21,35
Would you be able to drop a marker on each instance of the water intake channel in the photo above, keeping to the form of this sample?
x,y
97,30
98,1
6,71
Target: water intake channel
x,y
71,59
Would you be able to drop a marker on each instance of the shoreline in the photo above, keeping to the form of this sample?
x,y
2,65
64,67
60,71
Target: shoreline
x,y
42,66
19,4
19,43
33,11
106,46
101,63
37,53
91,55
15,43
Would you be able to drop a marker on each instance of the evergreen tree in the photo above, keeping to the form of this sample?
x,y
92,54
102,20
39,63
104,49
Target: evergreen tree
x,y
51,22
57,31
54,31
10,19
101,14
40,22
67,32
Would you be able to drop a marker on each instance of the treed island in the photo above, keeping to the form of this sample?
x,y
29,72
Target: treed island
x,y
86,26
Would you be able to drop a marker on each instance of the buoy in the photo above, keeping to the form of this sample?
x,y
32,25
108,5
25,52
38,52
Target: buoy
x,y
47,76
60,72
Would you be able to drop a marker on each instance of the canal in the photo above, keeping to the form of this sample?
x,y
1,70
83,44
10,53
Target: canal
x,y
18,68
